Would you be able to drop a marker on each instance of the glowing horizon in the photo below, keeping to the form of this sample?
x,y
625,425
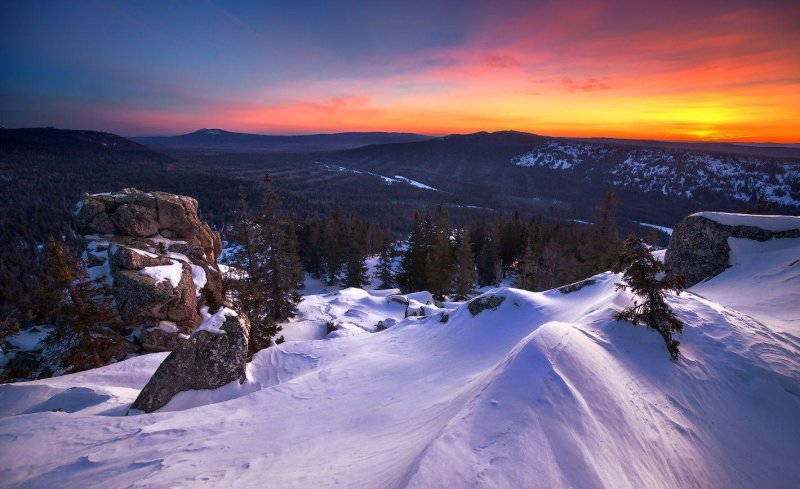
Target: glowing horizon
x,y
689,71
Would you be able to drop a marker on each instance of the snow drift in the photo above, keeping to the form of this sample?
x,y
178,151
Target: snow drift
x,y
545,390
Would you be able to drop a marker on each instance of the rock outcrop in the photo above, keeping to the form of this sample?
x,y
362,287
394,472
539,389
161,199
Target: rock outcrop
x,y
141,214
215,355
484,302
699,246
158,255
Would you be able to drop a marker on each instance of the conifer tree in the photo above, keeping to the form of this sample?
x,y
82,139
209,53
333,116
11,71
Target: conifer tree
x,y
464,275
355,253
489,263
642,275
335,243
512,244
528,265
439,265
267,254
384,271
412,276
88,328
605,245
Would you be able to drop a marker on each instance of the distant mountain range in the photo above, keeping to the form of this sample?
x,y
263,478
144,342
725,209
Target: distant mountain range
x,y
220,140
69,143
656,182
390,174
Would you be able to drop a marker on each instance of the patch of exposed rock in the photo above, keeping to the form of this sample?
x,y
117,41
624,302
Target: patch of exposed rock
x,y
484,302
215,355
699,246
159,257
576,286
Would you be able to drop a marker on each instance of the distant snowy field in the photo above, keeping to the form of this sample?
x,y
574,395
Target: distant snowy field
x,y
545,391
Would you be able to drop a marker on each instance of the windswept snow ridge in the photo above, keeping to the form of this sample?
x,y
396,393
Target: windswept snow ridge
x,y
545,390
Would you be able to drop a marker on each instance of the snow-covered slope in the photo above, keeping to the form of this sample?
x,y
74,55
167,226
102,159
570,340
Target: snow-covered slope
x,y
678,173
544,391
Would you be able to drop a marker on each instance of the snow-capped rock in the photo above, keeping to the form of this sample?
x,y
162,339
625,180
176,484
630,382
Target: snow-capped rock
x,y
699,246
158,255
215,355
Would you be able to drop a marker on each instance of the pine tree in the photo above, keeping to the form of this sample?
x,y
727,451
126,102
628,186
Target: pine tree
x,y
512,241
439,264
641,272
334,245
267,254
464,276
605,245
528,265
489,264
384,271
412,276
88,328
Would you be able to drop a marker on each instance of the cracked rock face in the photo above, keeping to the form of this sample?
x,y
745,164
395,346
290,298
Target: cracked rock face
x,y
699,246
132,212
209,359
159,257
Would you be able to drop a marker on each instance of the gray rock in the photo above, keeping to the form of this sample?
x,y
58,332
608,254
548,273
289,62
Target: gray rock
x,y
131,259
131,220
574,287
171,211
157,340
192,251
93,213
132,212
206,361
94,260
484,302
135,220
699,246
142,297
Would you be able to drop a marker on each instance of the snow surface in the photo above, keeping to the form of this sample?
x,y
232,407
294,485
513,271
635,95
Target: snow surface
x,y
171,272
414,183
168,326
547,390
198,277
774,264
386,180
215,321
769,223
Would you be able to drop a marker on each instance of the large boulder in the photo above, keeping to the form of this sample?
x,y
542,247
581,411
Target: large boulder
x,y
699,246
132,212
215,355
154,300
159,257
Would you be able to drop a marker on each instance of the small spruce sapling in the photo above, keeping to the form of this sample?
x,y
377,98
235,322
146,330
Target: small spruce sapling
x,y
648,279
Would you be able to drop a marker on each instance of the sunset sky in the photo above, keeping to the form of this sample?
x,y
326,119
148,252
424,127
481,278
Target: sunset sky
x,y
635,69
